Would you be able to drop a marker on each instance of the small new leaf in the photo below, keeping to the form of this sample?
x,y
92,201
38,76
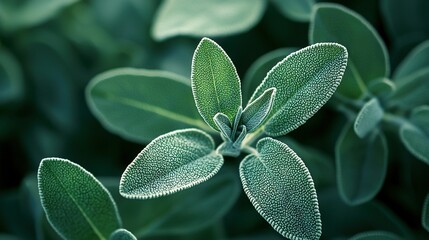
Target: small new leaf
x,y
76,204
215,82
122,234
256,112
224,125
281,189
368,117
172,162
416,141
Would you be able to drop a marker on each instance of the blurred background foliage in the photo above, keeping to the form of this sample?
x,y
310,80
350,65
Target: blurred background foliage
x,y
49,50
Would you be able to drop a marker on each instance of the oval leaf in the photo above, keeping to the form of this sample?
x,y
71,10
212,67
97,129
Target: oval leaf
x,y
206,18
170,163
416,60
361,165
215,82
305,80
368,117
280,187
425,213
11,82
255,113
420,117
122,234
135,105
76,204
375,235
382,87
416,141
412,90
334,23
298,10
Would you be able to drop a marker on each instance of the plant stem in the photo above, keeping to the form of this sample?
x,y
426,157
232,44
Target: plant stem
x,y
251,137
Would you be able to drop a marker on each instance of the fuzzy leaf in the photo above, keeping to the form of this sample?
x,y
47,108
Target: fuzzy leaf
x,y
206,18
305,80
280,187
412,90
368,118
170,163
376,235
76,203
259,69
224,125
135,105
11,82
122,234
416,141
215,82
425,213
298,10
416,60
361,165
255,112
334,23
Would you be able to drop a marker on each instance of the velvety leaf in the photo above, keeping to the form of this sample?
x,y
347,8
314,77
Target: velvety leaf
x,y
382,87
412,90
334,23
281,189
298,10
135,103
11,82
14,16
416,141
416,60
305,80
76,203
255,112
368,118
224,125
170,163
361,165
215,82
425,213
206,18
259,69
184,212
122,234
376,235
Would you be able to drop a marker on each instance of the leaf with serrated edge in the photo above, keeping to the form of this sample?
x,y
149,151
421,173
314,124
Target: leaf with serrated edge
x,y
122,234
77,205
425,213
255,112
281,189
416,141
361,165
368,117
376,235
170,163
130,103
305,80
215,82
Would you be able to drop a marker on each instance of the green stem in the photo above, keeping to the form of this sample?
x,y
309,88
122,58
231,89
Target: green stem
x,y
250,150
251,137
395,119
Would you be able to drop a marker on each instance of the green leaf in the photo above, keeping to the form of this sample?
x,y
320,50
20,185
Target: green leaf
x,y
416,141
368,118
224,125
206,18
76,203
412,90
420,117
14,16
425,213
255,112
259,69
361,165
298,10
122,234
368,58
305,80
135,105
11,82
171,163
416,60
382,87
375,235
184,212
215,82
280,187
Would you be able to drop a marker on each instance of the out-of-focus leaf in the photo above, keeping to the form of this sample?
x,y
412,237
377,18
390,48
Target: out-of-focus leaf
x,y
11,82
142,104
412,90
180,213
122,234
382,87
305,80
206,18
215,82
14,15
170,163
368,118
259,69
9,237
255,113
416,141
376,235
416,60
368,58
361,165
420,117
425,213
281,189
77,205
298,10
